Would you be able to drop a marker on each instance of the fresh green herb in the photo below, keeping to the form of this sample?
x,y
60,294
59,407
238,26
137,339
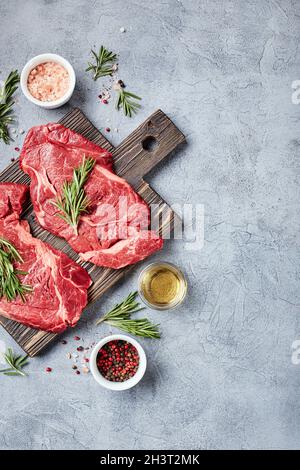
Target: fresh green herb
x,y
104,63
73,201
6,104
120,317
15,363
127,101
10,284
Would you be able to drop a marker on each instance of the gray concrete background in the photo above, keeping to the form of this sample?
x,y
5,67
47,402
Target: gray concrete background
x,y
221,376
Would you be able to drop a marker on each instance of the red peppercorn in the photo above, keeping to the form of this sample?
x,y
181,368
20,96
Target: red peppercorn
x,y
107,129
48,369
77,338
78,372
104,101
80,348
17,149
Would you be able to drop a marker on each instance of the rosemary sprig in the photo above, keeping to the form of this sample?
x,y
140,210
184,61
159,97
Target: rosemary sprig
x,y
140,327
120,317
10,284
15,363
127,101
6,104
73,201
104,63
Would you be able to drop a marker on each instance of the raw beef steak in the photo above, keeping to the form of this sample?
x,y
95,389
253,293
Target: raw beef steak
x,y
114,232
59,284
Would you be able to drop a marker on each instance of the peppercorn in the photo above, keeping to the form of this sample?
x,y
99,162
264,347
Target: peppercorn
x,y
117,360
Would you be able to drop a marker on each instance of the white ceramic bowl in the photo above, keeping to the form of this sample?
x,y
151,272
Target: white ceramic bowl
x,y
40,59
118,386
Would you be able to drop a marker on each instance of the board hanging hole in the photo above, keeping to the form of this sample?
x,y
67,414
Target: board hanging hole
x,y
149,144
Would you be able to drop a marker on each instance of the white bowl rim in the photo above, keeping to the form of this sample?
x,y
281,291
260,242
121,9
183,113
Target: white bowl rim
x,y
118,386
39,59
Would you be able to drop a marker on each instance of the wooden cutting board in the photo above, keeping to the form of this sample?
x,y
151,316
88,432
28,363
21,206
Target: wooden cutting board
x,y
150,143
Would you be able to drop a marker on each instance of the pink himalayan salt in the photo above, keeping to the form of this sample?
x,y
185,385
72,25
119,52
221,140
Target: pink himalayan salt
x,y
48,81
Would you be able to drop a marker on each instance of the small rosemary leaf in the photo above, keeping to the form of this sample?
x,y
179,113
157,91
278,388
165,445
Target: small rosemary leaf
x,y
6,110
11,373
133,95
95,55
21,361
75,178
17,358
9,353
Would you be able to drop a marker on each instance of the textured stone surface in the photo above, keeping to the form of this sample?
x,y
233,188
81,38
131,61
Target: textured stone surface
x,y
221,377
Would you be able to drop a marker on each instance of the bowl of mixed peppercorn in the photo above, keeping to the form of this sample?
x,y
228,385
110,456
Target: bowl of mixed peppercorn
x,y
118,362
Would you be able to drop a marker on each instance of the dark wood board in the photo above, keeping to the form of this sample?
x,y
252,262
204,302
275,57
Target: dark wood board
x,y
139,153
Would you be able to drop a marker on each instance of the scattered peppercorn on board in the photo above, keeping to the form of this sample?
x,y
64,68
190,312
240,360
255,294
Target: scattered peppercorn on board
x,y
136,156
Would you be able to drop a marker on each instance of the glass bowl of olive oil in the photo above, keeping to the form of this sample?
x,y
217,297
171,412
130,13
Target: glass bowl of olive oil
x,y
162,286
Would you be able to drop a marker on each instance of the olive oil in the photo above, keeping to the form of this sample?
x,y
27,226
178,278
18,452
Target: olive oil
x,y
162,285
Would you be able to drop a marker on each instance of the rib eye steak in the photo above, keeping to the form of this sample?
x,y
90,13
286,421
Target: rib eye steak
x,y
59,285
114,232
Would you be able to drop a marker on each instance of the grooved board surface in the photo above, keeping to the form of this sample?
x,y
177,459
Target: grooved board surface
x,y
133,159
